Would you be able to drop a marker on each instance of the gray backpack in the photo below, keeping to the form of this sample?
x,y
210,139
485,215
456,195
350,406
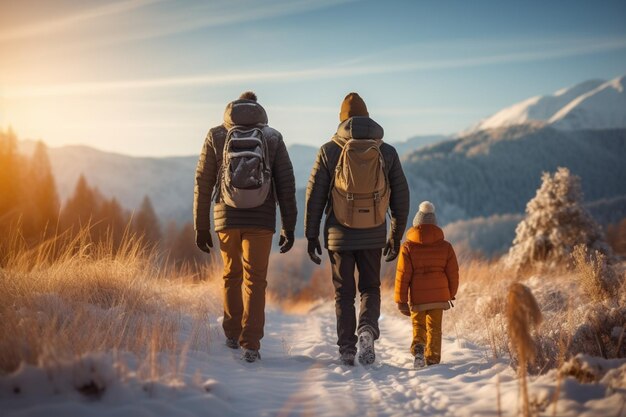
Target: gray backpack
x,y
246,176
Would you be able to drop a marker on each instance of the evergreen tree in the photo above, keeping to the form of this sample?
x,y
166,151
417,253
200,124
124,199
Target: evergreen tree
x,y
43,201
80,209
146,223
555,223
111,222
10,175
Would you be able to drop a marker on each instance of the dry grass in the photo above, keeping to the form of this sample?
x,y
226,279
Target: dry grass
x,y
523,314
68,297
597,279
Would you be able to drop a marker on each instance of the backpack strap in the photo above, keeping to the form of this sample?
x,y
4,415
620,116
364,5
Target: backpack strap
x,y
329,197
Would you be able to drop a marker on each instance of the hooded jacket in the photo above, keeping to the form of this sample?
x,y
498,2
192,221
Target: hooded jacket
x,y
247,113
427,270
336,236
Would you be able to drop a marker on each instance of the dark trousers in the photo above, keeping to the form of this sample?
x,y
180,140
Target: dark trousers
x,y
367,263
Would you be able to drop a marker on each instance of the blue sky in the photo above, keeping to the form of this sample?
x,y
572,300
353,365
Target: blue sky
x,y
150,77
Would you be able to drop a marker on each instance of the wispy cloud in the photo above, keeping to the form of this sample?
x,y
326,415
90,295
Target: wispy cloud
x,y
337,71
124,21
44,27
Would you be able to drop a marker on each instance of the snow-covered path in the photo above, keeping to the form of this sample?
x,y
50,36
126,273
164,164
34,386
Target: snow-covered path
x,y
299,375
389,387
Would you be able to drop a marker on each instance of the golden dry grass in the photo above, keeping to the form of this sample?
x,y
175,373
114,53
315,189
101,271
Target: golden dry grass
x,y
68,296
523,314
595,277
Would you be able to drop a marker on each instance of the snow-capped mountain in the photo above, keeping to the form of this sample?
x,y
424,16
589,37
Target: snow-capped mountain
x,y
593,104
601,108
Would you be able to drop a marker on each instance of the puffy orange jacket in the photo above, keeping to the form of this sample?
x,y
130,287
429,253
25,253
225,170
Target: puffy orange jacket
x,y
427,270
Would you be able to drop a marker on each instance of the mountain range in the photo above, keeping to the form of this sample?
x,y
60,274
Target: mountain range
x,y
593,104
168,181
492,168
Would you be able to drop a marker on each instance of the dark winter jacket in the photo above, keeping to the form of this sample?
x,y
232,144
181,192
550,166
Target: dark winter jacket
x,y
246,113
336,236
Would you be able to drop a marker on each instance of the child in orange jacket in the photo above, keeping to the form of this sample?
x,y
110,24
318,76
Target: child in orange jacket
x,y
427,278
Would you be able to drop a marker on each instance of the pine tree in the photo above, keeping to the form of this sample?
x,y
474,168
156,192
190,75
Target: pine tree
x,y
111,223
146,223
10,175
80,209
43,201
555,223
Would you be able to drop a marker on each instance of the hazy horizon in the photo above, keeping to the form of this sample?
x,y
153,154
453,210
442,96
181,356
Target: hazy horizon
x,y
150,77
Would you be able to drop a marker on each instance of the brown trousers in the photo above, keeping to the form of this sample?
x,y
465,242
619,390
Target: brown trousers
x,y
246,255
427,334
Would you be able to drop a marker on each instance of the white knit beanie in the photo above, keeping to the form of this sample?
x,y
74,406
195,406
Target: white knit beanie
x,y
425,214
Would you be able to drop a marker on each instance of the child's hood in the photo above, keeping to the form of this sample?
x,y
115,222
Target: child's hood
x,y
425,233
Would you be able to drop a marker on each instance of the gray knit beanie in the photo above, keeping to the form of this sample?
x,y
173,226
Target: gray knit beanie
x,y
425,214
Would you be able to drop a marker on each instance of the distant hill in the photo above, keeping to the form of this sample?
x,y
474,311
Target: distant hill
x,y
168,181
416,142
497,171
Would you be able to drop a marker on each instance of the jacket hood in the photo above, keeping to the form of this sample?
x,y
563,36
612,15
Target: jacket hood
x,y
425,233
245,113
359,127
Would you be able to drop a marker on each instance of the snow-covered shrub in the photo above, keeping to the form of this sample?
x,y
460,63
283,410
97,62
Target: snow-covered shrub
x,y
600,332
589,369
573,323
555,223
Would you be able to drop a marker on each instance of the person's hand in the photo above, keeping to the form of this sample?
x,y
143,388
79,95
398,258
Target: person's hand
x,y
314,246
204,241
286,240
391,250
404,309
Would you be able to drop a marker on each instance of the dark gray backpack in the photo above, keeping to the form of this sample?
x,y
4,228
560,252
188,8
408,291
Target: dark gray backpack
x,y
246,177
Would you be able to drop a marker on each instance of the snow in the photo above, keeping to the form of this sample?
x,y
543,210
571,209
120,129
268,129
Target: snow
x,y
593,104
601,108
299,374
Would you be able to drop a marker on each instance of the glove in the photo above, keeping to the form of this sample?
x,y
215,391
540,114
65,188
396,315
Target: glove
x,y
391,250
312,247
204,241
286,240
404,309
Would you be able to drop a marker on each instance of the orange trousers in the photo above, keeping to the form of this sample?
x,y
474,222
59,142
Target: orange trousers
x,y
246,255
427,334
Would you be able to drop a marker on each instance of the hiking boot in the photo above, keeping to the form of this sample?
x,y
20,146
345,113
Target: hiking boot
x,y
232,343
250,355
367,356
419,361
347,358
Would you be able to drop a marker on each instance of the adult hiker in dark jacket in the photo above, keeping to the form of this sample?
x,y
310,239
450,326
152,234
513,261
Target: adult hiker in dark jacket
x,y
351,248
245,234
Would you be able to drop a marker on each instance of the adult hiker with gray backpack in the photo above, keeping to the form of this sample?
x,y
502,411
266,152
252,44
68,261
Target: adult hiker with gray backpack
x,y
245,170
356,180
